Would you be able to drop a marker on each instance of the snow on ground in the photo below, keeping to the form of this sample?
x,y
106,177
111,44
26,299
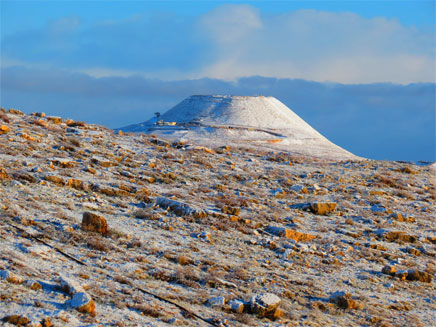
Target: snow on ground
x,y
259,122
237,222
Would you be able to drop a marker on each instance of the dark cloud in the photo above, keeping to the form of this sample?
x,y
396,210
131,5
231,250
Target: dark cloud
x,y
380,121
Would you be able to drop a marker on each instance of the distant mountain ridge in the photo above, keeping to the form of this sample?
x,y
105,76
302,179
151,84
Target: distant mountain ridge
x,y
250,120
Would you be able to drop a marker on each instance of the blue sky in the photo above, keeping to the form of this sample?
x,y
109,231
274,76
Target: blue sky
x,y
355,70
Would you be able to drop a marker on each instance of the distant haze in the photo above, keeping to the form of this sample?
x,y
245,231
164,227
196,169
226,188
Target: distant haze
x,y
378,121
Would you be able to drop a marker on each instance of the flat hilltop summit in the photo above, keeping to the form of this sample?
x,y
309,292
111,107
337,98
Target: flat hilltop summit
x,y
99,228
254,121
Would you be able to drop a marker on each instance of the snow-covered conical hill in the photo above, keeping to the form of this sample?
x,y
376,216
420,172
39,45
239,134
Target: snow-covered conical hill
x,y
243,120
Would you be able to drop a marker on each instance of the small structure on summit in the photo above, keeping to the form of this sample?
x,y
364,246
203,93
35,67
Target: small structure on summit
x,y
260,121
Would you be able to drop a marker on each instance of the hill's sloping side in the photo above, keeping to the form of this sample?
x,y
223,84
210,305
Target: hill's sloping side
x,y
258,121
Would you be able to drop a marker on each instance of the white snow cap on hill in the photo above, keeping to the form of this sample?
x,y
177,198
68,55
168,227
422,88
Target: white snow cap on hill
x,y
259,121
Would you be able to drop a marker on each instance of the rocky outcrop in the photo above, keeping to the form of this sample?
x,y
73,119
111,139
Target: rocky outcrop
x,y
94,223
80,299
264,304
180,208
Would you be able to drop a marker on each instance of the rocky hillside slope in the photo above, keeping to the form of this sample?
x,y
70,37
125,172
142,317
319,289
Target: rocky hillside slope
x,y
104,229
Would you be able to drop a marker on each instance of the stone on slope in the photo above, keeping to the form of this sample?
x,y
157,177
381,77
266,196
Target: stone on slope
x,y
289,233
180,208
322,208
94,223
4,129
264,304
80,299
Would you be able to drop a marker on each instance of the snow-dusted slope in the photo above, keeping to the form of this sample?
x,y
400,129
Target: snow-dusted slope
x,y
254,121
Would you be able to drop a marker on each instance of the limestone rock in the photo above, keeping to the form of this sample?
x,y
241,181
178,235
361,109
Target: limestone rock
x,y
343,300
83,302
217,301
322,208
77,184
23,176
180,208
289,233
236,306
16,320
389,270
94,223
15,112
422,276
4,129
397,236
231,210
55,179
264,304
80,300
55,120
3,173
10,277
33,284
40,122
401,274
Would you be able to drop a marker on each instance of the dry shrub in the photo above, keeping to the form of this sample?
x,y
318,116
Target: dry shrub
x,y
149,310
115,234
74,141
389,181
98,243
146,214
184,260
405,194
122,280
231,201
184,276
135,243
61,214
203,162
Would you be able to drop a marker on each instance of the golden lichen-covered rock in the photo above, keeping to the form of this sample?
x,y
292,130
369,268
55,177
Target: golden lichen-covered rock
x,y
46,322
64,163
289,233
69,122
77,184
15,112
322,208
54,120
234,211
40,122
3,173
398,236
33,284
55,179
83,302
4,129
80,300
10,277
389,270
344,300
16,320
264,304
107,191
94,223
417,275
